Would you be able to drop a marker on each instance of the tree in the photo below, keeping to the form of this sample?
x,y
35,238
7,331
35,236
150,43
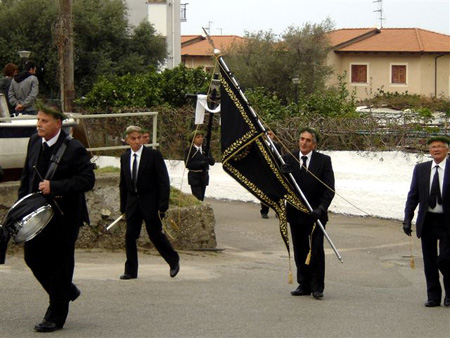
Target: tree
x,y
270,62
103,42
307,53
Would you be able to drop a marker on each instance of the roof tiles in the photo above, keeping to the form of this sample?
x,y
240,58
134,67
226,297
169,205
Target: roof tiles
x,y
390,40
198,45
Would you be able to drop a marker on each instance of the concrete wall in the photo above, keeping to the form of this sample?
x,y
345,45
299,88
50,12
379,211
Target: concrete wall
x,y
187,228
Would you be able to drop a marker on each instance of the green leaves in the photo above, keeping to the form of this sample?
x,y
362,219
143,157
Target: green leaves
x,y
146,90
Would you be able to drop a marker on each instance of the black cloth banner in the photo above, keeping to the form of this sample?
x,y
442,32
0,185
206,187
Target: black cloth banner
x,y
246,156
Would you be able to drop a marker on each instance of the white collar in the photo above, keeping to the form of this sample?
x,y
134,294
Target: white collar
x,y
440,165
53,140
138,153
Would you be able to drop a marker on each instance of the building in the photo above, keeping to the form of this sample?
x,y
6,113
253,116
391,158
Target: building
x,y
165,16
197,51
401,60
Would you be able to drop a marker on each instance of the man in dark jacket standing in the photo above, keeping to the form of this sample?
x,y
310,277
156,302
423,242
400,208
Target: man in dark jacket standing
x,y
198,162
144,196
313,173
24,90
51,254
430,189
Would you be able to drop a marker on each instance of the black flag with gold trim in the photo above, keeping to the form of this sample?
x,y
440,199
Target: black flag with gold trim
x,y
246,156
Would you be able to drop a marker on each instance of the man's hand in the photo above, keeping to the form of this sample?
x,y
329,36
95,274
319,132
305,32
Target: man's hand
x,y
44,187
316,213
286,168
407,228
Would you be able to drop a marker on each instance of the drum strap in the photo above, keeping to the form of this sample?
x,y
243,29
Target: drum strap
x,y
55,159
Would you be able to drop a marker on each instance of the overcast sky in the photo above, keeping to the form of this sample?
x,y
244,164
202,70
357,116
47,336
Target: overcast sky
x,y
234,17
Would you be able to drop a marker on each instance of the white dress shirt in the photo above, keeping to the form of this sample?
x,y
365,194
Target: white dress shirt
x,y
438,208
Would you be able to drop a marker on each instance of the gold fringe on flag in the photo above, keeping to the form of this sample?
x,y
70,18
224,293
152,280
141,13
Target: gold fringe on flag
x,y
412,263
290,271
308,258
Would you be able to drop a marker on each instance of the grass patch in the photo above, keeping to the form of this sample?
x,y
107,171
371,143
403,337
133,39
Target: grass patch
x,y
180,199
106,170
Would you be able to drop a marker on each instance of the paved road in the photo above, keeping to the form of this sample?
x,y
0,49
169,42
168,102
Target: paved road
x,y
241,290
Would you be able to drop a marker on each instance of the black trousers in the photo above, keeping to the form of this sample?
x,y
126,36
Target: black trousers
x,y
310,277
264,209
435,235
153,226
199,191
51,257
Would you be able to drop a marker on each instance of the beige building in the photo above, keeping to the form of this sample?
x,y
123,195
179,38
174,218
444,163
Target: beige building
x,y
400,60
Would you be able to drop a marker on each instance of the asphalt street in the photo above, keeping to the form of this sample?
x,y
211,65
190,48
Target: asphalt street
x,y
241,289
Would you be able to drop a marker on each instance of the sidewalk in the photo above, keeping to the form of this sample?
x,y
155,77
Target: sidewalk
x,y
240,290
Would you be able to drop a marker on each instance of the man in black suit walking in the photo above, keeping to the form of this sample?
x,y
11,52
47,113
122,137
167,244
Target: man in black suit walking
x,y
144,196
313,173
51,254
430,189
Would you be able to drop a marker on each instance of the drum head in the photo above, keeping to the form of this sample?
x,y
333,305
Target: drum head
x,y
28,217
32,224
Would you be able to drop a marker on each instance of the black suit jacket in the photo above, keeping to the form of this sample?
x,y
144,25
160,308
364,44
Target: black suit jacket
x,y
153,184
198,165
73,177
419,193
317,194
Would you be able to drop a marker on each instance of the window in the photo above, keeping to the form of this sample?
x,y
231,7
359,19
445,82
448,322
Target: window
x,y
398,74
359,73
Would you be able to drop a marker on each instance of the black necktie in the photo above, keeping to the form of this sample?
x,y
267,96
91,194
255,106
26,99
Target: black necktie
x,y
304,159
134,173
42,164
435,192
44,159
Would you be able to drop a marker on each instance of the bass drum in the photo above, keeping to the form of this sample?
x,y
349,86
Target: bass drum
x,y
28,217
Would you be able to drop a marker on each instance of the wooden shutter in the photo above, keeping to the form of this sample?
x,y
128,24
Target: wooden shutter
x,y
359,73
398,74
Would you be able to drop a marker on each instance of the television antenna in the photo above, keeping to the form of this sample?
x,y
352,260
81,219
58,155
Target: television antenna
x,y
380,11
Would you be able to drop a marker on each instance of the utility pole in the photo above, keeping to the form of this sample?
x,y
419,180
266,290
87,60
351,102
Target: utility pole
x,y
64,41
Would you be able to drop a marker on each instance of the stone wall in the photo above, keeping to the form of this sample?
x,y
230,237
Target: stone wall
x,y
187,228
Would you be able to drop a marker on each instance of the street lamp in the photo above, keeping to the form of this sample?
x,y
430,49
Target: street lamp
x,y
296,81
24,54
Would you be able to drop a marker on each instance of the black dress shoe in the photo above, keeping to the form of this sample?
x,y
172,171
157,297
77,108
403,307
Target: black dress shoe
x,y
432,303
318,294
265,216
127,276
47,326
174,271
300,292
75,293
447,301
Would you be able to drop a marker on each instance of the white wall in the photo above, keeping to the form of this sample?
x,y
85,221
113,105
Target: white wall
x,y
374,183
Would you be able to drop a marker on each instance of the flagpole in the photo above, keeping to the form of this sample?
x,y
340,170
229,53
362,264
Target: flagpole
x,y
275,150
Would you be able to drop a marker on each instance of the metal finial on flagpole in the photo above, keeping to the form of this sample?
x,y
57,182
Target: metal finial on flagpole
x,y
216,52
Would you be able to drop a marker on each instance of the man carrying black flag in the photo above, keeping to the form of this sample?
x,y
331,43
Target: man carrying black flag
x,y
313,173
